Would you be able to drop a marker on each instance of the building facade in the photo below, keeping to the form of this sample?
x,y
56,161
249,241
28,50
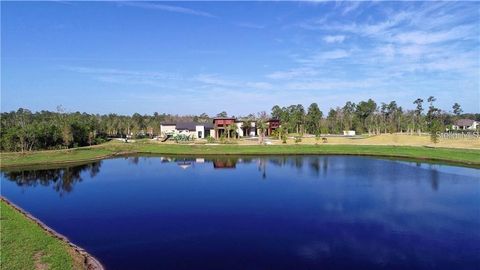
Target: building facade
x,y
465,124
221,126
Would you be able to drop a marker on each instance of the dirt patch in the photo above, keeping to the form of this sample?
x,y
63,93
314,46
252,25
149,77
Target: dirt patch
x,y
39,265
79,262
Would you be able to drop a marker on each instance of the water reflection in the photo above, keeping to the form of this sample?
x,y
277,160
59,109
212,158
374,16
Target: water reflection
x,y
61,179
270,212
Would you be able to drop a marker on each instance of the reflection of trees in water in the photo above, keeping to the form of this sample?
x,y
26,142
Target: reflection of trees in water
x,y
315,165
62,179
133,160
434,179
262,167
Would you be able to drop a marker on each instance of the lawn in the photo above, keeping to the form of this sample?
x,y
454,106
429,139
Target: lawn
x,y
460,156
25,245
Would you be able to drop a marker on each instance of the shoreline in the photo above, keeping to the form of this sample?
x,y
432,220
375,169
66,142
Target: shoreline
x,y
454,156
90,262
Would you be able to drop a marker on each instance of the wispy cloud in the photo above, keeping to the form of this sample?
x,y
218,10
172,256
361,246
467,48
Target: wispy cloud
x,y
350,6
334,39
423,37
122,76
169,8
209,80
292,73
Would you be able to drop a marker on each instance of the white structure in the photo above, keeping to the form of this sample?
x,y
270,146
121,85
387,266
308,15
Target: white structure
x,y
465,124
197,130
349,132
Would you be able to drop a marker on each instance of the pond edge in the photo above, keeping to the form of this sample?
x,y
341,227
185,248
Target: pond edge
x,y
90,262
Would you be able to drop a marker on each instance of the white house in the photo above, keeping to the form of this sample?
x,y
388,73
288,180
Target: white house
x,y
465,124
198,130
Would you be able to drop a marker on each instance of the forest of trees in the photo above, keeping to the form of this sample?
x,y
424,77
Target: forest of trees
x,y
369,117
23,130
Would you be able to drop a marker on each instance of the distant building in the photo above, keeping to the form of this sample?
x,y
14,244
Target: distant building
x,y
198,130
465,124
272,125
219,127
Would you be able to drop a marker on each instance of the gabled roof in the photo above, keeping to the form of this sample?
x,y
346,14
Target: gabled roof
x,y
464,122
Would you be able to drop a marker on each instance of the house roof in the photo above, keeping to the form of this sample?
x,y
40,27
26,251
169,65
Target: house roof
x,y
273,120
192,125
224,118
464,122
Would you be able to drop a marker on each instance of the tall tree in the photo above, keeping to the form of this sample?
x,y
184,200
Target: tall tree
x,y
348,112
222,114
432,110
457,110
277,112
261,125
418,119
313,118
365,109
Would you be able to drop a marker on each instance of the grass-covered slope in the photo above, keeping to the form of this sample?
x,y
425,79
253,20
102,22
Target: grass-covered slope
x,y
25,245
460,156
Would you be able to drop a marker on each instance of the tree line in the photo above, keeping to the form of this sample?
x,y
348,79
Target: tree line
x,y
23,130
368,117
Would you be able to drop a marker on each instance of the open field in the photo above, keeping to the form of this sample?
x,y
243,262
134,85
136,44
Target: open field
x,y
334,146
400,139
25,245
384,139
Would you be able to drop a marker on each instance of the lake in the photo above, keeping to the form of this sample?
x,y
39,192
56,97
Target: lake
x,y
297,212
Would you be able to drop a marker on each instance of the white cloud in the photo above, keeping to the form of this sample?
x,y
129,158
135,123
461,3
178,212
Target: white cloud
x,y
169,8
350,6
334,39
387,50
215,80
334,54
412,50
292,73
422,37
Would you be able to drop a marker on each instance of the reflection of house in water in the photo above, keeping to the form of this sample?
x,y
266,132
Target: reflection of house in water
x,y
184,164
224,163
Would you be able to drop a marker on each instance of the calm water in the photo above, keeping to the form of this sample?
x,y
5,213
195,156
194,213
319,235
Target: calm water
x,y
260,213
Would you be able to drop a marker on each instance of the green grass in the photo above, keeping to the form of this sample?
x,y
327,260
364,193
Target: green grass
x,y
25,245
459,156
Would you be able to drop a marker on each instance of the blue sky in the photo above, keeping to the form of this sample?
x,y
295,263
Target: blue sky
x,y
242,57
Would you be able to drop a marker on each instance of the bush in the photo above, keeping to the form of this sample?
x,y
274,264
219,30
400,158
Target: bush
x,y
210,139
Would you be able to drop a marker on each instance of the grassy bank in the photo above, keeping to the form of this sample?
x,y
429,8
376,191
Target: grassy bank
x,y
25,245
460,156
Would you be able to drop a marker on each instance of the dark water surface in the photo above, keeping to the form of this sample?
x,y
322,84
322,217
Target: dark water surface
x,y
328,212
